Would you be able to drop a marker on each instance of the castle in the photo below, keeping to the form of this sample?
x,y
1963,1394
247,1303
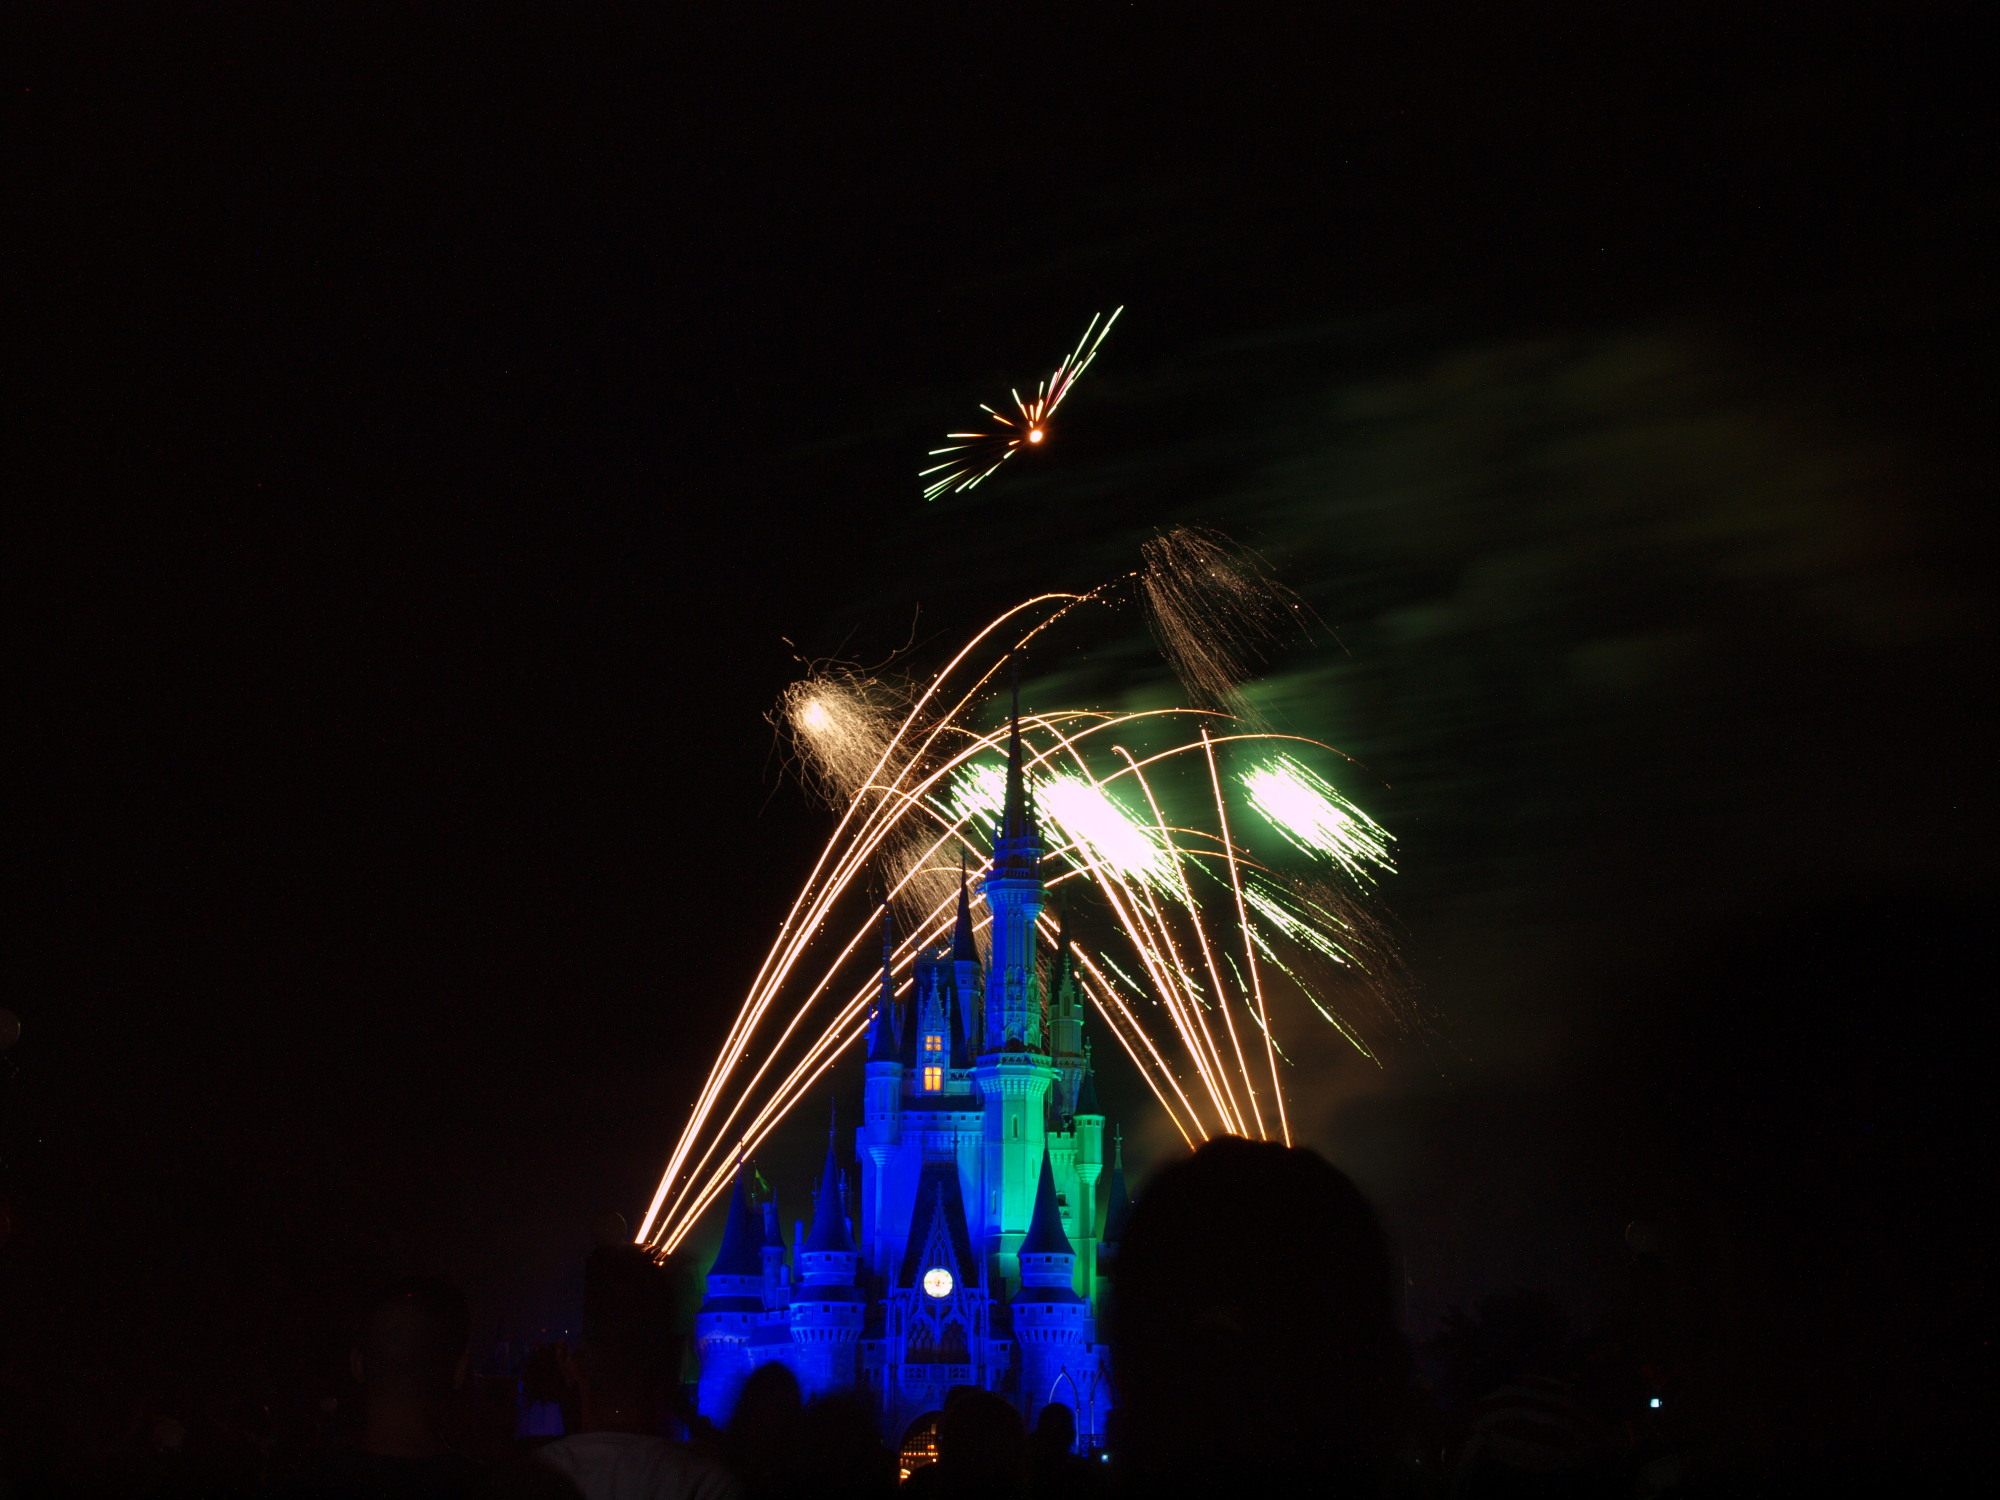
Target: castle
x,y
978,1248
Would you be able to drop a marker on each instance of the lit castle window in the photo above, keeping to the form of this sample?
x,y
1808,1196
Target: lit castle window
x,y
933,1079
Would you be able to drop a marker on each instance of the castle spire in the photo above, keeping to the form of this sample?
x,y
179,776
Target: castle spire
x,y
963,948
1118,1208
829,1231
742,1239
1017,818
882,1036
1086,1090
1015,1017
1065,986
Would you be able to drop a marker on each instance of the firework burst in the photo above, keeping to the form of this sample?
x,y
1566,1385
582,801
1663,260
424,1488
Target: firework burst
x,y
1221,885
970,457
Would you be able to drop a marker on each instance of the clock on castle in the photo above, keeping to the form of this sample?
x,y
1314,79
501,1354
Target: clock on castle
x,y
976,1253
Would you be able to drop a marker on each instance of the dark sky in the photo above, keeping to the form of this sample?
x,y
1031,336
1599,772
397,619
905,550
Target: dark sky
x,y
435,431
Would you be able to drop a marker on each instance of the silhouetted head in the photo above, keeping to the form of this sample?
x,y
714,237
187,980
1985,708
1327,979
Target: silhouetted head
x,y
768,1408
629,1349
411,1342
1253,1326
839,1453
980,1438
1055,1429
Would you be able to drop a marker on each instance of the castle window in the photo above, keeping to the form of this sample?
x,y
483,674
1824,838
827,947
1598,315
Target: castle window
x,y
933,1044
933,1079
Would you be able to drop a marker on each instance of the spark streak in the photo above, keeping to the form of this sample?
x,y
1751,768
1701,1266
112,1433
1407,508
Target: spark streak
x,y
970,457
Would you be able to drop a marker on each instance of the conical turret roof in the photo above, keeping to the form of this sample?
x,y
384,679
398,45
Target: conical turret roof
x,y
1045,1231
1118,1208
1086,1091
829,1231
742,1236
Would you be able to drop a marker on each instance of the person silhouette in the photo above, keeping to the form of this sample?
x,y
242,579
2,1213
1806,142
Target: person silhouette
x,y
1253,1330
623,1377
1055,1472
761,1442
980,1449
410,1356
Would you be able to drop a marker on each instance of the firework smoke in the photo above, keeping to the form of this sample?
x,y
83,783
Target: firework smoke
x,y
1216,614
840,725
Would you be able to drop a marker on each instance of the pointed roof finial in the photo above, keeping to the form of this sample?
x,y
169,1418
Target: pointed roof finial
x,y
963,948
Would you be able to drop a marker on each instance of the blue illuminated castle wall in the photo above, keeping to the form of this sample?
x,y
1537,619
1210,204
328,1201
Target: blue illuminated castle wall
x,y
975,1254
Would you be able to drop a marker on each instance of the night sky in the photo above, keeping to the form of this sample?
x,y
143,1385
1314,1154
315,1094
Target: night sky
x,y
439,437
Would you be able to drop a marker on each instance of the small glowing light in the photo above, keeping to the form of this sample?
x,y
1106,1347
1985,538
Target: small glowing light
x,y
1654,1403
1034,434
937,1282
815,716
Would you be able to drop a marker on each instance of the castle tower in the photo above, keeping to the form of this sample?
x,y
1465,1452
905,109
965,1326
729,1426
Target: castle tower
x,y
933,1008
1014,897
938,1308
1052,1321
1013,1071
827,1302
881,1112
1066,1020
965,974
1117,1206
771,1250
733,1311
1089,1128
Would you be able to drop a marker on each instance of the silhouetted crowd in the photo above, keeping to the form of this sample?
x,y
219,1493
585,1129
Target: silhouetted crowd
x,y
1267,1363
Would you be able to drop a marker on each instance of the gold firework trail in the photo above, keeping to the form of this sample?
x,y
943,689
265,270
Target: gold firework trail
x,y
1161,815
